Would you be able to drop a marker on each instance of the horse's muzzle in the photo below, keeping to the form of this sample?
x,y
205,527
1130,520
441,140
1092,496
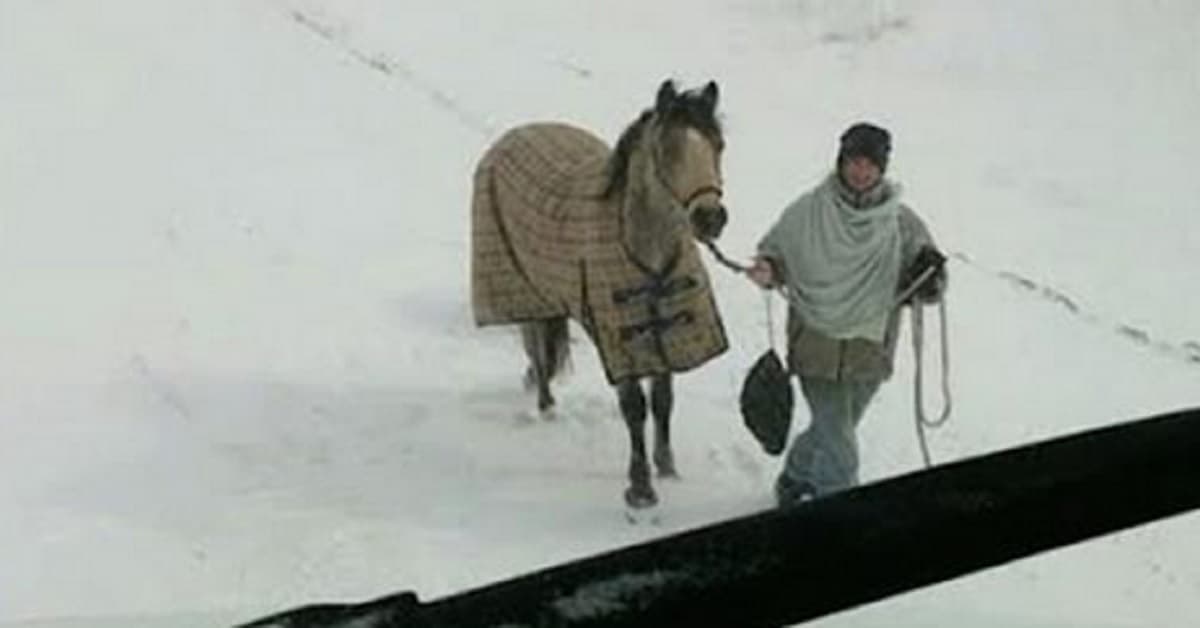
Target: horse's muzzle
x,y
708,221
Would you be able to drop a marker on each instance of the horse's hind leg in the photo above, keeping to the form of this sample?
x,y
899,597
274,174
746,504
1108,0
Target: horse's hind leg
x,y
662,399
640,493
548,346
538,373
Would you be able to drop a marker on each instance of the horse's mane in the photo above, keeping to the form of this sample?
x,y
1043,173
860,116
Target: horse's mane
x,y
686,111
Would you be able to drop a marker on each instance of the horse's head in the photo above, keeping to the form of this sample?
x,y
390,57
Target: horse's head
x,y
670,158
685,142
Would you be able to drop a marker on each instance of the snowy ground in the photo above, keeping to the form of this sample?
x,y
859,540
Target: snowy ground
x,y
240,372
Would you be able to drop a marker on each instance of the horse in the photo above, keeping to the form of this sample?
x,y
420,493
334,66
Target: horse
x,y
563,227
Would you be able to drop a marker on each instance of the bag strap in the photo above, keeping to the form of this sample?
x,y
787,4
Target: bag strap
x,y
769,305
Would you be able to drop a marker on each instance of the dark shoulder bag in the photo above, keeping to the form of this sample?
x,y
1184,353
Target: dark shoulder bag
x,y
766,402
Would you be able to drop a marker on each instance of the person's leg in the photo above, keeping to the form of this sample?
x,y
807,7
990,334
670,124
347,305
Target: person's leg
x,y
824,458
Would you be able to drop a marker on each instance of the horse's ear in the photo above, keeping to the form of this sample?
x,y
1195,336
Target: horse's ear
x,y
709,96
666,96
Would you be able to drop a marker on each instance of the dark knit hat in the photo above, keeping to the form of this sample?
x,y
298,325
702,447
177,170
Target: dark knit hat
x,y
866,140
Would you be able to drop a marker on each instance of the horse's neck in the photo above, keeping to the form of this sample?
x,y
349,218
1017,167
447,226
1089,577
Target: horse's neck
x,y
652,226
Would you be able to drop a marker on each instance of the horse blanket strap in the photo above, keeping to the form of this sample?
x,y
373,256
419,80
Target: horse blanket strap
x,y
655,327
654,289
546,244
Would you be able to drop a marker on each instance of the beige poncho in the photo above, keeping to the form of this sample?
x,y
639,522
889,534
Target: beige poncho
x,y
842,262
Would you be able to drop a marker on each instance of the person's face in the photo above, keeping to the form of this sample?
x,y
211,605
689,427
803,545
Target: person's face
x,y
860,173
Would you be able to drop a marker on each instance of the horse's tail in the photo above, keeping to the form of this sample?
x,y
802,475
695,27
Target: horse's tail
x,y
548,346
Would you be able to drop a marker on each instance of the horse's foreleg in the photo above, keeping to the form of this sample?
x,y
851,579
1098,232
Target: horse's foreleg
x,y
662,399
640,493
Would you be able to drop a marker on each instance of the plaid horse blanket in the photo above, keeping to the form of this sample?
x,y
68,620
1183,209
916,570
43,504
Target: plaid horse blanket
x,y
545,244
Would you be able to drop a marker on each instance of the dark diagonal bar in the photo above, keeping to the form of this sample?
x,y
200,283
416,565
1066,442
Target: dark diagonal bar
x,y
784,567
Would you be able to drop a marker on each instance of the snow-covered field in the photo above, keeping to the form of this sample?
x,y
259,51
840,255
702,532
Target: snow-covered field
x,y
239,370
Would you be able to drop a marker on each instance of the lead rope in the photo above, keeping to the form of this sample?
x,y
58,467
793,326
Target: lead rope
x,y
918,339
741,269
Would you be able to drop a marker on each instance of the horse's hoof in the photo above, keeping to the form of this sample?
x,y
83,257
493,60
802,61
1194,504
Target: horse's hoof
x,y
640,498
665,464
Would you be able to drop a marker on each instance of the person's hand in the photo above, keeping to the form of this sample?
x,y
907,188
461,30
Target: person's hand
x,y
931,289
762,273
